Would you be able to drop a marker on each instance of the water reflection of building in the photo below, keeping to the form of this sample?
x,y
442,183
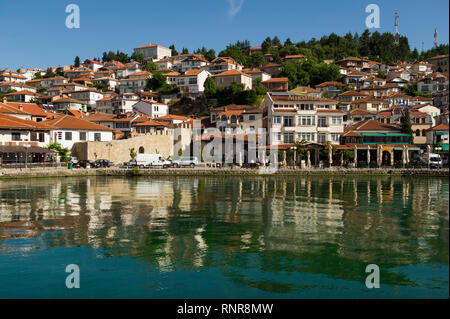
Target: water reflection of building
x,y
178,222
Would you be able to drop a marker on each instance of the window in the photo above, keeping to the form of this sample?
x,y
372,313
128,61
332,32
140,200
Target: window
x,y
289,138
15,136
34,137
59,135
97,137
288,121
82,136
68,136
336,120
251,117
278,137
309,137
417,132
322,121
277,120
307,107
306,120
321,138
335,137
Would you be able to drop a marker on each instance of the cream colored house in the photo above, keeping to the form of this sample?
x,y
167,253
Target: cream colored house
x,y
151,51
225,79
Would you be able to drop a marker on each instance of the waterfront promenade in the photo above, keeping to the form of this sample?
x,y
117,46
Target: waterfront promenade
x,y
207,171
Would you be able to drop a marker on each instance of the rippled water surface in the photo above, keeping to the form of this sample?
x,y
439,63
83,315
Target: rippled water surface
x,y
252,237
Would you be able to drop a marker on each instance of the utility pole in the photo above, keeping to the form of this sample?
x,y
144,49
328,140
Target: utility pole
x,y
435,38
397,35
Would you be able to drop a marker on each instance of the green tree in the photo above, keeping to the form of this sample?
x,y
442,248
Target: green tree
x,y
381,74
288,42
156,82
236,53
174,51
210,87
185,51
41,90
133,153
77,62
63,152
256,59
101,87
276,41
406,126
138,57
210,55
151,66
266,44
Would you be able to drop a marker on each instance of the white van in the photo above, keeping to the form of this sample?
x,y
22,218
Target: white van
x,y
435,159
143,160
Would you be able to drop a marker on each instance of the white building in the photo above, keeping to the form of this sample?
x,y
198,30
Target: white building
x,y
294,117
152,51
69,130
89,97
152,109
192,82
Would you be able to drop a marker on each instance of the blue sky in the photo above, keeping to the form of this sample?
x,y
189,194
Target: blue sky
x,y
34,32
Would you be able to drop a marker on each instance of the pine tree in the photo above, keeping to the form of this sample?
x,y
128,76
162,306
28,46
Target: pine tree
x,y
406,126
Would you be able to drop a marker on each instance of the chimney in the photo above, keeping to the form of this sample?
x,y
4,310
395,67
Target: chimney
x,y
21,107
4,100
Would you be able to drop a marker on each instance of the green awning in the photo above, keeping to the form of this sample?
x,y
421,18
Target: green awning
x,y
385,134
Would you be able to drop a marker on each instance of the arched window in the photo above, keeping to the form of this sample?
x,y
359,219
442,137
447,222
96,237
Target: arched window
x,y
424,133
224,118
417,132
233,119
141,150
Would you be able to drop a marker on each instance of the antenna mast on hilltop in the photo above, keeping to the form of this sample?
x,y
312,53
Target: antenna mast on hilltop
x,y
397,36
435,38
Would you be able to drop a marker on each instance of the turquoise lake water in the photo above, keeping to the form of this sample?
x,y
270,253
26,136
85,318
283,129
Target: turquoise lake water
x,y
224,237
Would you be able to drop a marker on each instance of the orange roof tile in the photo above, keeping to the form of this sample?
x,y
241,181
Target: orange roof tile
x,y
11,122
69,122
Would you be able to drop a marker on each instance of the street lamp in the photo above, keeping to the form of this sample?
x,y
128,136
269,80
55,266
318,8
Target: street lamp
x,y
27,146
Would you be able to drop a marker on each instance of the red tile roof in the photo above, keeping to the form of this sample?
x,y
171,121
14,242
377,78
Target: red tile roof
x,y
11,122
60,121
440,127
276,80
324,84
371,125
30,108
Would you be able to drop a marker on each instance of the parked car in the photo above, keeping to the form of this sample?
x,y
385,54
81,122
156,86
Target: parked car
x,y
85,164
103,163
250,165
185,161
149,160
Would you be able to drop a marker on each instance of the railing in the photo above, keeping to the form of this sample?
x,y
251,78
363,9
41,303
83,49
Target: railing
x,y
32,165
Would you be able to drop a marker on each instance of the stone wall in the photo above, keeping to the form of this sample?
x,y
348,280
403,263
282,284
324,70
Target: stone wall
x,y
118,151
